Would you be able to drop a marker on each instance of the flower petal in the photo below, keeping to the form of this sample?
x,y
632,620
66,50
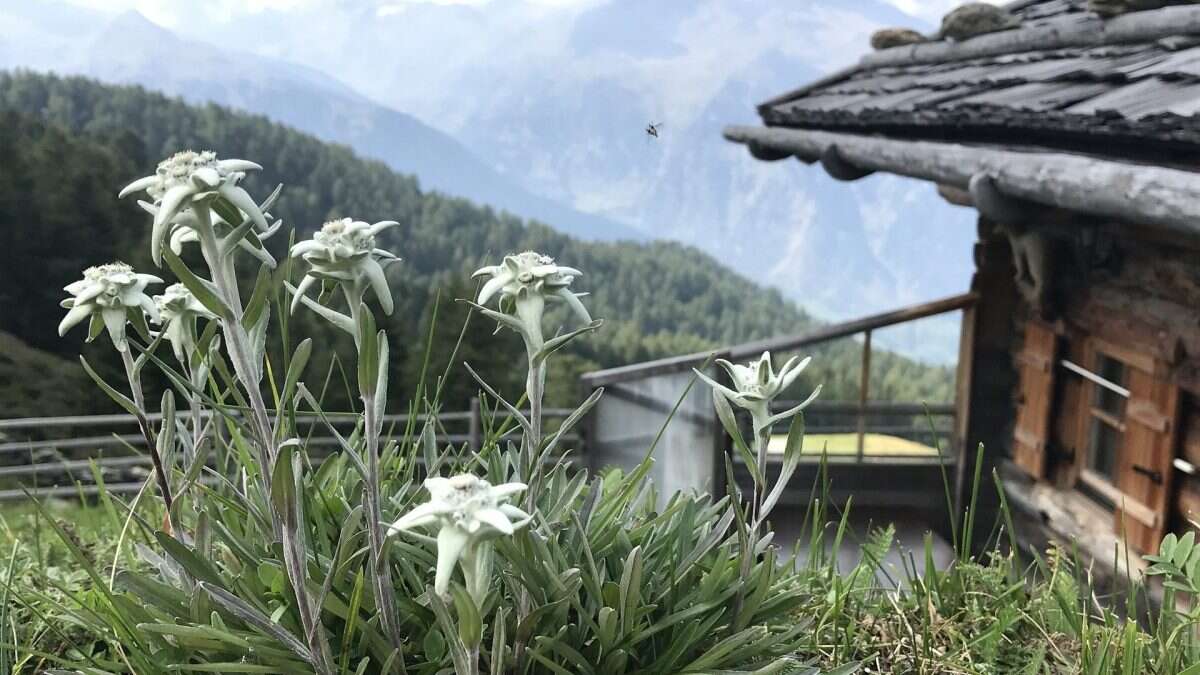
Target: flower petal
x,y
789,374
495,519
379,284
574,303
489,289
422,515
206,178
515,515
114,321
725,391
76,314
301,289
242,199
450,542
306,246
505,490
137,186
382,225
148,306
171,203
230,165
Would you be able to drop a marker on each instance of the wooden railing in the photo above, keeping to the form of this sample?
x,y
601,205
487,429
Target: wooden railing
x,y
55,456
861,411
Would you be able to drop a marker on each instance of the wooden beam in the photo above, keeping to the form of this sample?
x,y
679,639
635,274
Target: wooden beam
x,y
1087,30
1133,193
955,195
838,168
994,204
675,364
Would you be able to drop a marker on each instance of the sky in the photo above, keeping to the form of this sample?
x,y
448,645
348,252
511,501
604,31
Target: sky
x,y
170,13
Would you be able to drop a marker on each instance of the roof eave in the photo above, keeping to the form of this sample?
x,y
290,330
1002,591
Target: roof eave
x,y
1142,194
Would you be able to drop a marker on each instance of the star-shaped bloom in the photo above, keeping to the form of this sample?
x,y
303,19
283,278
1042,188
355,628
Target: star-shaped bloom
x,y
533,276
189,177
344,251
756,384
467,510
178,310
115,294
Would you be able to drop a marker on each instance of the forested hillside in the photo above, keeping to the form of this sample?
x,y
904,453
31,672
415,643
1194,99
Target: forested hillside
x,y
69,144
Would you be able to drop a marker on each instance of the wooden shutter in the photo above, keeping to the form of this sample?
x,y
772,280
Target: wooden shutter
x,y
1032,429
1145,462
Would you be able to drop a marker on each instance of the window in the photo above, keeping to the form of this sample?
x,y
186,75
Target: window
x,y
1106,417
1101,428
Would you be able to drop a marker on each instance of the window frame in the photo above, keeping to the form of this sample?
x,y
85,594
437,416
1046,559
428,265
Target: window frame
x,y
1094,484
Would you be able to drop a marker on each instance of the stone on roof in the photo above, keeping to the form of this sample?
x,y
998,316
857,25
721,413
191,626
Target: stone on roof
x,y
886,38
976,18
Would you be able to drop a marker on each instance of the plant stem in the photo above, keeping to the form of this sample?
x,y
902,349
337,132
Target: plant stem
x,y
762,436
139,399
237,343
381,572
472,660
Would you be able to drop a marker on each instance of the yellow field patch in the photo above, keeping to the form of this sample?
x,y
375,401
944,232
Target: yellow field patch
x,y
847,444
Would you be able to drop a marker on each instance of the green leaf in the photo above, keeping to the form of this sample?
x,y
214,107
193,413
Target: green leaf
x,y
253,617
195,565
121,399
725,414
381,382
368,353
554,344
258,300
470,625
791,459
166,431
336,318
295,369
283,485
199,287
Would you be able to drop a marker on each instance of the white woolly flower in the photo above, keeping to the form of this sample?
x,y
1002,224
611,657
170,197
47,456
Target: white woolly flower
x,y
756,384
468,511
111,292
528,279
189,177
344,251
178,310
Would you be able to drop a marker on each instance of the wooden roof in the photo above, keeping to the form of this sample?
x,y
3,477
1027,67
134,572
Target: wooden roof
x,y
1127,86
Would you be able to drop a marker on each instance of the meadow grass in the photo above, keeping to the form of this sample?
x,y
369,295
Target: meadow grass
x,y
993,612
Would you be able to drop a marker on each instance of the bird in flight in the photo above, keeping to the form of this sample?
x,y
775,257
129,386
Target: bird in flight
x,y
652,128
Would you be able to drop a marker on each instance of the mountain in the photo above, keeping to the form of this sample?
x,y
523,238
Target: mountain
x,y
128,48
556,96
70,143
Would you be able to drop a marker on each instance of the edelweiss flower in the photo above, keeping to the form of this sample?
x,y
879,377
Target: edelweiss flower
x,y
178,310
189,177
756,384
112,292
344,251
467,510
531,276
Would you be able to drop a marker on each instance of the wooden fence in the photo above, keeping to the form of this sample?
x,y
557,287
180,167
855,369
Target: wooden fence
x,y
55,456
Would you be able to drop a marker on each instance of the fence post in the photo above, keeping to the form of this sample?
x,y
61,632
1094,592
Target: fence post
x,y
473,432
863,389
